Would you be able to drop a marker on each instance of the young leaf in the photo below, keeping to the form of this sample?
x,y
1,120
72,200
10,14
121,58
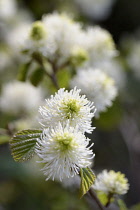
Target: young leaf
x,y
23,144
22,74
37,76
102,197
87,180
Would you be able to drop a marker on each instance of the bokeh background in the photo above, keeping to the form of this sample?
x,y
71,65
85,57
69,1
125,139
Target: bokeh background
x,y
117,135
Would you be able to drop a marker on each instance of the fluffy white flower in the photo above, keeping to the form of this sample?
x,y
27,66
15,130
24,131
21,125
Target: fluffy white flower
x,y
17,36
99,44
55,42
37,39
59,27
114,69
98,9
111,182
20,98
70,106
14,29
63,150
97,86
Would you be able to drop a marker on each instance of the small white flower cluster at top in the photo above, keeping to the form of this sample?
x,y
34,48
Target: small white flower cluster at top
x,y
61,41
57,36
111,182
63,147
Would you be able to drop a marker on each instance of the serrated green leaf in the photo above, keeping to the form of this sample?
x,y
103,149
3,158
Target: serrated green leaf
x,y
22,74
37,76
23,144
87,180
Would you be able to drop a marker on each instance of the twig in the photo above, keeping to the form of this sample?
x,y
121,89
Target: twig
x,y
93,195
109,199
51,76
54,80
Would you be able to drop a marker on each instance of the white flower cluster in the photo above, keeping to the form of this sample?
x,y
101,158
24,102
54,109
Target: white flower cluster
x,y
99,44
97,86
61,40
14,25
59,36
18,35
63,147
51,37
68,106
114,69
63,36
20,98
111,182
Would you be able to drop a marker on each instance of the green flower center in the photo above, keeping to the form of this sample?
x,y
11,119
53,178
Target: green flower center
x,y
71,108
108,81
65,141
38,31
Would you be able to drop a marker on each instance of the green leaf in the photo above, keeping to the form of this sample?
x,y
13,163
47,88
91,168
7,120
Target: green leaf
x,y
102,197
22,74
23,144
63,77
87,180
37,76
122,204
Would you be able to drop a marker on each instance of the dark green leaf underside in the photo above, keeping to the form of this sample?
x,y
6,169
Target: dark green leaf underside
x,y
23,71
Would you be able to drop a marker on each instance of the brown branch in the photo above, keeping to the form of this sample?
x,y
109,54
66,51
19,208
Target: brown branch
x,y
54,80
94,196
109,199
51,76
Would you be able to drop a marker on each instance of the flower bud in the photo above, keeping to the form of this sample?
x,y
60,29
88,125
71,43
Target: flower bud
x,y
38,31
78,56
